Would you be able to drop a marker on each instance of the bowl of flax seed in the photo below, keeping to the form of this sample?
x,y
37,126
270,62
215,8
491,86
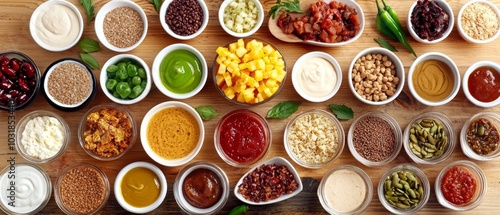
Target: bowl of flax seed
x,y
69,84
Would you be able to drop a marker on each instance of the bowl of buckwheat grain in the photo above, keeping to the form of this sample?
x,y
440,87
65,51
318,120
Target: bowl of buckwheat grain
x,y
184,19
121,25
376,76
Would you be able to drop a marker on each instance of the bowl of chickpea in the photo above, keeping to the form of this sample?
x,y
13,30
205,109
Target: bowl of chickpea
x,y
376,76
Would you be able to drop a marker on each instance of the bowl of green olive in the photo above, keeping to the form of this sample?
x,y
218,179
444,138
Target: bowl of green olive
x,y
125,79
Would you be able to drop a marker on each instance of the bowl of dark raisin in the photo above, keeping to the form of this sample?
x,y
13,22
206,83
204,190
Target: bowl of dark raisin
x,y
430,21
184,19
19,80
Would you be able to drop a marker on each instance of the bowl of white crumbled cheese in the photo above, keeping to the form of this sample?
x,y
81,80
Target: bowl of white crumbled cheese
x,y
42,136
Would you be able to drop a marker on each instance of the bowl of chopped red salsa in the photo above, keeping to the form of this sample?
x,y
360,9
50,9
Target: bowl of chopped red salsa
x,y
242,137
481,84
480,138
461,185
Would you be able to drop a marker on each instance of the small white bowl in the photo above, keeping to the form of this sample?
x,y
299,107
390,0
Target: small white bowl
x,y
451,20
454,72
400,73
160,179
156,70
163,13
312,77
113,61
53,38
279,161
465,84
468,37
259,21
101,15
144,139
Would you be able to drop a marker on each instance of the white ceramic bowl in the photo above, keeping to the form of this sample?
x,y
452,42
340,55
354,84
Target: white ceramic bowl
x,y
99,23
160,179
259,21
279,161
468,37
144,138
155,70
54,37
467,91
312,77
400,73
163,13
113,61
454,72
451,20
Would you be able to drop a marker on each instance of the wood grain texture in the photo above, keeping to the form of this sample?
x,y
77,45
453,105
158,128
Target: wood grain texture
x,y
14,35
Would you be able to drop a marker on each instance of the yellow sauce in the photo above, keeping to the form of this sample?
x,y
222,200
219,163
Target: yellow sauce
x,y
317,77
140,187
173,133
433,80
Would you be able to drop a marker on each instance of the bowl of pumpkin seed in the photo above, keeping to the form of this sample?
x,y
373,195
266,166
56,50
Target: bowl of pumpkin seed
x,y
429,138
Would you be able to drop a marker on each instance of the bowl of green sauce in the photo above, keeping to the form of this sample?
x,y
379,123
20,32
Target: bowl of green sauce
x,y
179,71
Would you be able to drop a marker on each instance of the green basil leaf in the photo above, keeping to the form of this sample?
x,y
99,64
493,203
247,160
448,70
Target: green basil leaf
x,y
385,44
206,112
89,60
341,111
89,45
157,4
287,6
89,9
283,110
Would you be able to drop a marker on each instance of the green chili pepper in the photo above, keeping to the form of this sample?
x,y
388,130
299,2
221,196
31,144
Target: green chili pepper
x,y
238,210
394,15
382,27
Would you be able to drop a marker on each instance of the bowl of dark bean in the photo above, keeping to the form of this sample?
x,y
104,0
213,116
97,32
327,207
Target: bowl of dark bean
x,y
184,19
374,139
430,21
479,137
478,21
404,189
121,25
429,138
376,76
19,80
241,18
69,84
125,79
254,191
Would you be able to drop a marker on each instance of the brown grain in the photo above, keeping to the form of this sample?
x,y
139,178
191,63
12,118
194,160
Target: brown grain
x,y
69,83
373,138
82,189
123,27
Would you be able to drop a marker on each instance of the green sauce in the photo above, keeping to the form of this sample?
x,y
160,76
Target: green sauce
x,y
180,71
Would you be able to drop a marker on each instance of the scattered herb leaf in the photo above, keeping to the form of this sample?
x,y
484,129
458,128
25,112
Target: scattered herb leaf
x,y
206,112
157,4
385,44
288,5
89,60
89,45
89,9
283,110
240,209
341,111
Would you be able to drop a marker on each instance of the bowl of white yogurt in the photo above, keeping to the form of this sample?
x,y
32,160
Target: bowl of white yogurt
x,y
42,136
56,25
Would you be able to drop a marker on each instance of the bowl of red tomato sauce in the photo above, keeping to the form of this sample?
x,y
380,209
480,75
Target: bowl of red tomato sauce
x,y
242,137
460,186
481,84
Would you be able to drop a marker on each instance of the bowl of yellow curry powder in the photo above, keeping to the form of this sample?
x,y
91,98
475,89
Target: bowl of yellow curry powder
x,y
172,133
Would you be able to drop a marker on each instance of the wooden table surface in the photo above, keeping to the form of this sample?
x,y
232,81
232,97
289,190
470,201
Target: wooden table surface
x,y
14,35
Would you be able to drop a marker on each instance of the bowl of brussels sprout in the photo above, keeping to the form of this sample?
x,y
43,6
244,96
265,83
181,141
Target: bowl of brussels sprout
x,y
125,79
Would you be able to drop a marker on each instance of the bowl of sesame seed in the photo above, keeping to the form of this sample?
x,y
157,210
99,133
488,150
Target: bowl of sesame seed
x,y
478,21
121,25
69,84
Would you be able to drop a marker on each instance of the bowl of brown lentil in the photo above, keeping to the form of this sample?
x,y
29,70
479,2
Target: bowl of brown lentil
x,y
374,139
81,188
184,19
429,138
480,138
314,138
69,84
478,21
376,76
121,25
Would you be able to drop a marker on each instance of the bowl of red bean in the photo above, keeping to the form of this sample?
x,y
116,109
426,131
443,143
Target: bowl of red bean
x,y
430,21
19,80
479,137
184,19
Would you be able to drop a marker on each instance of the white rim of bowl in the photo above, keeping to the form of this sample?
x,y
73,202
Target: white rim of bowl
x,y
465,86
40,8
163,12
446,8
260,19
465,35
494,118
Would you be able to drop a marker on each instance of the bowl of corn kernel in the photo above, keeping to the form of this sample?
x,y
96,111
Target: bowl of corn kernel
x,y
249,71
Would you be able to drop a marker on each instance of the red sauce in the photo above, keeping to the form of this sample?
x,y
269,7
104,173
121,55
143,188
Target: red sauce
x,y
458,186
242,137
202,188
484,84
